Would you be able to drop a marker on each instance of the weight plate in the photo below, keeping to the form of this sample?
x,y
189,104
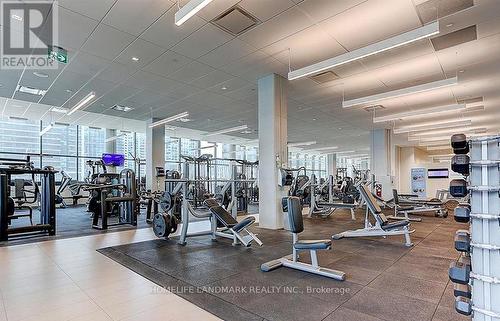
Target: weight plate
x,y
160,225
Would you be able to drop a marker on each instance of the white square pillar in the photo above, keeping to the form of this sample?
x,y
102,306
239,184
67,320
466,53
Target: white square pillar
x,y
273,151
155,154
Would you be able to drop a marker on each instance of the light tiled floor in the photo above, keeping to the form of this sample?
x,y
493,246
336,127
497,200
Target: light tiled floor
x,y
69,280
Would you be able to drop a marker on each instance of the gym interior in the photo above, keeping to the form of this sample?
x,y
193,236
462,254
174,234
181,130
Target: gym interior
x,y
275,160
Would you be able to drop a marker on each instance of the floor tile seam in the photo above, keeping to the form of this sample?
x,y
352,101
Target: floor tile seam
x,y
158,271
78,285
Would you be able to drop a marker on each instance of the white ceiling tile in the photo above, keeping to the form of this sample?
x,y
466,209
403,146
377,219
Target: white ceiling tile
x,y
146,51
202,41
412,69
281,26
265,9
353,30
134,16
86,64
167,63
215,8
322,9
74,29
191,72
228,52
308,46
107,42
95,9
165,33
211,79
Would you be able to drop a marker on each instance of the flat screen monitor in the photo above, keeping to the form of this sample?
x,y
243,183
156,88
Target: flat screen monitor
x,y
113,159
438,173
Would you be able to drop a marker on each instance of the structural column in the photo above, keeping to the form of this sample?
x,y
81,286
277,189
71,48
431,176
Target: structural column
x,y
331,163
383,159
273,152
155,155
111,146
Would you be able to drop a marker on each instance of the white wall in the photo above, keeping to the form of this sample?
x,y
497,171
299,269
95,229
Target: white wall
x,y
411,157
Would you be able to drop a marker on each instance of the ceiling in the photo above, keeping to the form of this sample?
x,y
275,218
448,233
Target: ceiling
x,y
211,73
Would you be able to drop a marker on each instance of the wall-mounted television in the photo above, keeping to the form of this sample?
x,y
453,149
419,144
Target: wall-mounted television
x,y
113,159
438,173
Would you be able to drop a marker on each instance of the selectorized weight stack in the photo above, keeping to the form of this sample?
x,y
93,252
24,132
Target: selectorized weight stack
x,y
477,273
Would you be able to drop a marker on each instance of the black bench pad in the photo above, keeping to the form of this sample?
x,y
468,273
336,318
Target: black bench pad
x,y
313,245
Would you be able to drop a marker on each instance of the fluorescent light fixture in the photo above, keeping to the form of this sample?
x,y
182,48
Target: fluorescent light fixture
x,y
46,129
378,47
31,90
228,130
59,110
451,131
431,126
302,144
430,139
439,147
436,143
40,74
169,119
419,112
326,148
189,10
401,92
82,103
204,147
113,138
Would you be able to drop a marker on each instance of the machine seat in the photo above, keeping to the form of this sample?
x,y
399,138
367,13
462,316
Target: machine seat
x,y
244,223
395,225
313,245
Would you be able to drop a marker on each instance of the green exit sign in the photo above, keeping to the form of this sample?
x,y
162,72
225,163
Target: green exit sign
x,y
58,54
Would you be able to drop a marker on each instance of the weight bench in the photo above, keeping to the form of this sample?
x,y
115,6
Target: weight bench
x,y
382,226
296,226
237,230
408,206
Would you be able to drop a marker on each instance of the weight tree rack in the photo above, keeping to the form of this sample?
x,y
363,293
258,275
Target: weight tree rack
x,y
477,273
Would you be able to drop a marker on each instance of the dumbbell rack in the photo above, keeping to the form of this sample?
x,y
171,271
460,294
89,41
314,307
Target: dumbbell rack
x,y
479,293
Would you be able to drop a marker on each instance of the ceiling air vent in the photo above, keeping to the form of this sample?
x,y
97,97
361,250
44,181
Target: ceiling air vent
x,y
455,38
325,77
435,9
235,21
474,109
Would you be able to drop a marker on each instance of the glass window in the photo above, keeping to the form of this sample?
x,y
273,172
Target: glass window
x,y
172,149
19,135
190,147
61,163
92,141
125,144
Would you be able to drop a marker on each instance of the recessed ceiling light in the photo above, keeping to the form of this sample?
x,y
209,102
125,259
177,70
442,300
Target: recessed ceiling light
x,y
450,25
184,120
69,91
40,74
224,88
461,71
122,108
16,17
314,119
31,90
246,132
135,58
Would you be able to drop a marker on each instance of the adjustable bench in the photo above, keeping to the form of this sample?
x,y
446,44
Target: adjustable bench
x,y
237,230
408,206
296,226
382,226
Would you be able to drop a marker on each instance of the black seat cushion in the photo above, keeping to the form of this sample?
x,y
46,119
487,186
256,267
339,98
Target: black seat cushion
x,y
313,245
244,223
223,216
395,225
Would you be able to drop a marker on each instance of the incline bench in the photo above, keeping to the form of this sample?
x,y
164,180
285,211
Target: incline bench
x,y
382,226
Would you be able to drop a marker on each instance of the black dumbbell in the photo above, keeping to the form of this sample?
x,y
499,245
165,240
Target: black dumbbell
x,y
459,272
463,306
462,241
458,188
459,144
463,290
462,213
460,164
